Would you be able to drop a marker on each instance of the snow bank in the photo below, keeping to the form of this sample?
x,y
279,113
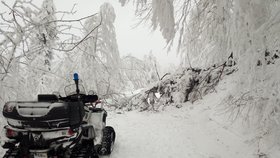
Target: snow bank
x,y
187,84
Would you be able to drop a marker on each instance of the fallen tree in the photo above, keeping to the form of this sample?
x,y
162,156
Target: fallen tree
x,y
188,84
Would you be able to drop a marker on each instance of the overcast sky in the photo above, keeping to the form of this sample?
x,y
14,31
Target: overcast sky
x,y
136,41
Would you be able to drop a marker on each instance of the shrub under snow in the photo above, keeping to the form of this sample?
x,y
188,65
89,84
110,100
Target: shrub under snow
x,y
188,84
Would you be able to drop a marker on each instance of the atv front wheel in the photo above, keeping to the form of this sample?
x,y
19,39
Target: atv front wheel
x,y
108,140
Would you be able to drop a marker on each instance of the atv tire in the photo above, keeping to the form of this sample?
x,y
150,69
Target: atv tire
x,y
108,141
84,151
13,153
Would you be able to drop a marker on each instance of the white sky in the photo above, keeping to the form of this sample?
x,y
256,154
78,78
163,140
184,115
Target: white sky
x,y
135,41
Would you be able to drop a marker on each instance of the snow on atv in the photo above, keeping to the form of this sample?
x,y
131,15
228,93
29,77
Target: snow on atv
x,y
56,126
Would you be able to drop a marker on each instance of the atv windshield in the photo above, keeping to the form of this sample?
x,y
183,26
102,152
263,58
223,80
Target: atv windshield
x,y
71,89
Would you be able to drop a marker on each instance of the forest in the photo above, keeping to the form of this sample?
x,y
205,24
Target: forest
x,y
228,50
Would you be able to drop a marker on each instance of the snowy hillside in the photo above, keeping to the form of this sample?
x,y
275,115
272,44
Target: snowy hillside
x,y
198,130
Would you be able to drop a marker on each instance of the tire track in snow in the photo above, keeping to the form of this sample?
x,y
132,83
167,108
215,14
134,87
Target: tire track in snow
x,y
174,133
152,135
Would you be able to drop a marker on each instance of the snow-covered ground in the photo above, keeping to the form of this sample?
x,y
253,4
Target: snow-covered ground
x,y
188,132
193,131
197,130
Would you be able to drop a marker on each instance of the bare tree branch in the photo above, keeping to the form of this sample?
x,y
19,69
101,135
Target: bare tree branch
x,y
83,39
75,20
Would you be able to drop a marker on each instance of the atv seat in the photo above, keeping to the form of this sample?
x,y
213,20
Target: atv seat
x,y
97,109
47,98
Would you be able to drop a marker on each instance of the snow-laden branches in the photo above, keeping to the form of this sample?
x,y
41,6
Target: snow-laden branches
x,y
211,31
26,29
187,85
76,44
161,14
30,37
96,56
140,73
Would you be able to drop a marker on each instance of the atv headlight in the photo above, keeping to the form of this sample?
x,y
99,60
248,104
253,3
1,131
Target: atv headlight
x,y
9,107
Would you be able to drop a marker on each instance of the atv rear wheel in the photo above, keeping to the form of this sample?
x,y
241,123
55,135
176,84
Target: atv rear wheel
x,y
84,150
108,141
15,153
11,153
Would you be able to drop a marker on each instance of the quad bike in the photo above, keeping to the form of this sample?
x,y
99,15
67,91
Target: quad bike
x,y
58,127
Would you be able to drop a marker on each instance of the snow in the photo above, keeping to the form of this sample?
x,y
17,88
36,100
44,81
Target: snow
x,y
198,130
175,133
239,119
193,131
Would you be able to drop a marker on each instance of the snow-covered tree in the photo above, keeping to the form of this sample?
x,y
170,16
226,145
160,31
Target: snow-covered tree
x,y
26,33
140,73
161,14
211,32
97,59
31,36
41,53
103,51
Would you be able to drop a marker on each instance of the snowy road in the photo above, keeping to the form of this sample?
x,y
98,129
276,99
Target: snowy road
x,y
188,132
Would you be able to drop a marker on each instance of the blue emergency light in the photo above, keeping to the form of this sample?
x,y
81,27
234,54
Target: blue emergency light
x,y
76,77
